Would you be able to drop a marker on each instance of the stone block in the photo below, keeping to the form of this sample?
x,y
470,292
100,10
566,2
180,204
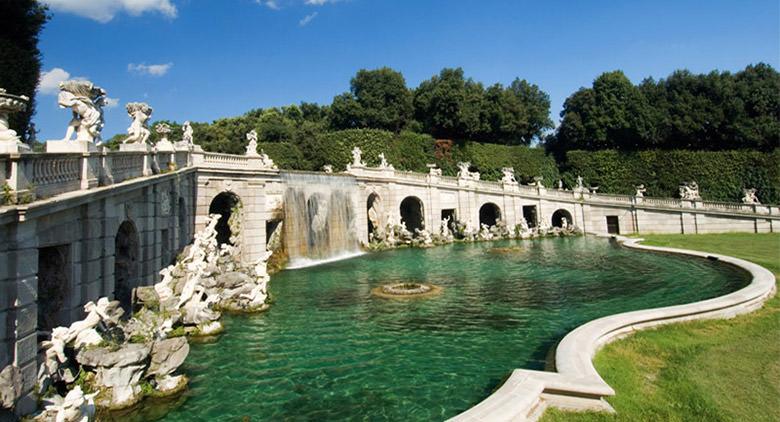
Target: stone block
x,y
26,349
26,291
26,320
29,375
4,315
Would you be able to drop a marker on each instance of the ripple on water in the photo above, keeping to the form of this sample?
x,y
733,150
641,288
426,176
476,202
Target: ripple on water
x,y
329,350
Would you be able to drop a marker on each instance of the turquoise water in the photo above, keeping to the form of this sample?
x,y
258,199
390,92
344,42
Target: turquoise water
x,y
328,350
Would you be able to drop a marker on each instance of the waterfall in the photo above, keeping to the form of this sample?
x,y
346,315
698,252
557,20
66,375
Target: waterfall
x,y
320,220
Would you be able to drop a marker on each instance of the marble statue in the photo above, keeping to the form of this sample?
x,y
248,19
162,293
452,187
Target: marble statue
x,y
327,168
138,133
538,182
690,191
750,197
509,176
251,147
266,162
163,129
383,164
640,191
75,407
433,170
564,223
186,136
560,184
9,141
86,101
524,225
580,186
357,158
464,173
484,232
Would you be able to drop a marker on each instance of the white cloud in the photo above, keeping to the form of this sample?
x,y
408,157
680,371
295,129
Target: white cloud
x,y
320,2
151,69
104,10
49,82
306,19
271,4
111,102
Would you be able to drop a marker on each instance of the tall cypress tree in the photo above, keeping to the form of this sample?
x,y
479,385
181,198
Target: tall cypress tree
x,y
20,60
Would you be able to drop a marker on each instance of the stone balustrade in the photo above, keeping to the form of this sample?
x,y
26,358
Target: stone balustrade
x,y
30,176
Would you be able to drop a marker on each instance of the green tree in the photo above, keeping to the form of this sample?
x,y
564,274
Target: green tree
x,y
377,99
21,22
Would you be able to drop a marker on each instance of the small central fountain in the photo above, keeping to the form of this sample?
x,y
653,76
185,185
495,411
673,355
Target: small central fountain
x,y
405,290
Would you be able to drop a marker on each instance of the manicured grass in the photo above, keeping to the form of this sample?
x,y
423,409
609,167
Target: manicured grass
x,y
719,370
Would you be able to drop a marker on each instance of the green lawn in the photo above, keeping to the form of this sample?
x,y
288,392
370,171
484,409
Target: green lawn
x,y
720,370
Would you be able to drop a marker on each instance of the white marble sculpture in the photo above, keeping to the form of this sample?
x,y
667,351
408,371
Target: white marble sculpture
x,y
163,129
640,191
327,168
580,185
524,228
484,232
444,229
9,141
749,197
86,102
357,158
138,133
464,173
508,177
251,147
433,170
560,184
538,182
690,191
266,162
75,407
383,164
564,223
186,136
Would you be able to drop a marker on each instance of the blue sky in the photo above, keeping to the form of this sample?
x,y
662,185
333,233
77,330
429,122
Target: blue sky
x,y
204,59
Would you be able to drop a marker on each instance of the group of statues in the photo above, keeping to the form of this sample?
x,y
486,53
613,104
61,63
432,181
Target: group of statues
x,y
251,150
357,161
108,360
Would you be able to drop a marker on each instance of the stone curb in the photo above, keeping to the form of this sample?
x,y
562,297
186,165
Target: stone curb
x,y
576,385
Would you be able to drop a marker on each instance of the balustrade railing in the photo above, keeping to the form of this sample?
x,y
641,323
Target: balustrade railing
x,y
41,175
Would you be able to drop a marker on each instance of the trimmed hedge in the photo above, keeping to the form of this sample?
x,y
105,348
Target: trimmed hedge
x,y
721,175
285,155
412,152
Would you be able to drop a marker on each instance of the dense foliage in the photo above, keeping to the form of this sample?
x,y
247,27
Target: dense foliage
x,y
721,175
716,111
20,60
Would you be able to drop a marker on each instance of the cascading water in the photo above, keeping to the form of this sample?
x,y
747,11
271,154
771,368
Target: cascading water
x,y
319,218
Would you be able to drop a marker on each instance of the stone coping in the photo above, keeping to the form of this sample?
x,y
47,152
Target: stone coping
x,y
576,385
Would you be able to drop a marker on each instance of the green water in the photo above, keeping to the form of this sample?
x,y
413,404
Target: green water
x,y
328,350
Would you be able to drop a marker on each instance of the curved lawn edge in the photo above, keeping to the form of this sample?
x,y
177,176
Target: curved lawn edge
x,y
576,385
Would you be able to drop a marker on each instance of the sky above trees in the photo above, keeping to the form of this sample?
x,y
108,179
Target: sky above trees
x,y
206,59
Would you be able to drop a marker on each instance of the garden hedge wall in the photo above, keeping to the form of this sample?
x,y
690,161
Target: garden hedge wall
x,y
412,151
721,175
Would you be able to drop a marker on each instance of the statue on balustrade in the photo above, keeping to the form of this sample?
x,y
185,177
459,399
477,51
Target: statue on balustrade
x,y
186,129
251,147
750,197
357,158
86,101
138,132
640,191
509,176
383,164
690,191
464,173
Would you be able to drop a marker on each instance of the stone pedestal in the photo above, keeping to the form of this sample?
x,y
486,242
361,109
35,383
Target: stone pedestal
x,y
164,146
12,146
61,146
135,147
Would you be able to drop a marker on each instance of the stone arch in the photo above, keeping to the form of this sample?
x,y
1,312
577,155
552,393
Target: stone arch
x,y
559,215
373,204
412,213
489,213
126,257
223,204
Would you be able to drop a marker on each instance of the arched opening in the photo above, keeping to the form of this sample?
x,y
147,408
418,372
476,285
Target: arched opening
x,y
412,213
489,214
126,250
372,209
223,204
558,216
